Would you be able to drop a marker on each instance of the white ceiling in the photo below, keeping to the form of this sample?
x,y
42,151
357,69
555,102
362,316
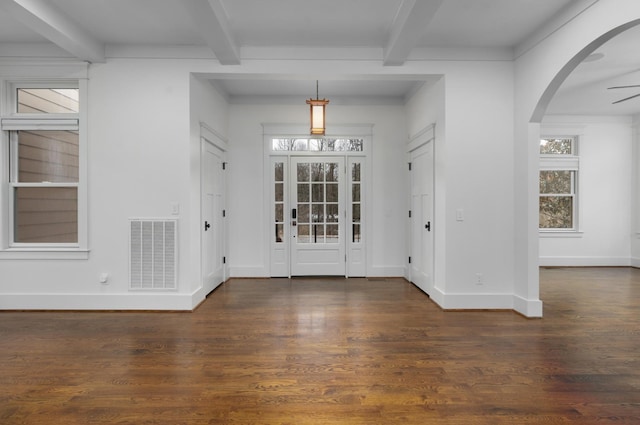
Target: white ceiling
x,y
394,30
586,91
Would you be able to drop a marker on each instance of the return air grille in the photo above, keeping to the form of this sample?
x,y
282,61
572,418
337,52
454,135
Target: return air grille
x,y
152,254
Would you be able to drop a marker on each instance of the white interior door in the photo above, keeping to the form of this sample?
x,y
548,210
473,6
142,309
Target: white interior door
x,y
212,217
422,217
317,216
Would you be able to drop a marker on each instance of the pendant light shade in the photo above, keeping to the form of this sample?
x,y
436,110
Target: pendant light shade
x,y
317,113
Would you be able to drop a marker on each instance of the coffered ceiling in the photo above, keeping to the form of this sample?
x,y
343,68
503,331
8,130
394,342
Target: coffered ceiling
x,y
390,31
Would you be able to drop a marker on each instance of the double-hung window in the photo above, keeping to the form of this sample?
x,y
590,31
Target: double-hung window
x,y
559,167
45,197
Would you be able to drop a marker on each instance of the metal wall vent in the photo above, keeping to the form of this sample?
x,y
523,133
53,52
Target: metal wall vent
x,y
152,254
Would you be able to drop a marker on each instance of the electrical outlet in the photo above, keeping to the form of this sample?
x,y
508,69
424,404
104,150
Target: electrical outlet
x,y
479,279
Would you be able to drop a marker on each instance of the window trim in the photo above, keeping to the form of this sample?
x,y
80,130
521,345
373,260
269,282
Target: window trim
x,y
563,162
12,121
309,140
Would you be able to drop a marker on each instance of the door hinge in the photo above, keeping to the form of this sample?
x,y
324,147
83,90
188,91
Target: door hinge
x,y
409,260
224,213
409,166
409,213
224,260
224,165
345,258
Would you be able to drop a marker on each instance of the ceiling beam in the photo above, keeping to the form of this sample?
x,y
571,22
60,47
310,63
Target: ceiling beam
x,y
44,18
411,20
213,26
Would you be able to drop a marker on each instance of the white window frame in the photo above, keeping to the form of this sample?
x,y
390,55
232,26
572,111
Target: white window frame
x,y
564,162
10,122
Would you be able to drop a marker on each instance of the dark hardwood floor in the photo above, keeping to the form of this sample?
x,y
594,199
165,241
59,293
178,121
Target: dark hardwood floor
x,y
314,351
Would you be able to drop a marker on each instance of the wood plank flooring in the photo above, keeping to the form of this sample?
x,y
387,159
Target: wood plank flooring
x,y
318,351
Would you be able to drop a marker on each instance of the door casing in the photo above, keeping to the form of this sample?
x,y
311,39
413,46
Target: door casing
x,y
213,223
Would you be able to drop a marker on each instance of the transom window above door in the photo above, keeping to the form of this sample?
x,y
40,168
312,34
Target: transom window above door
x,y
317,145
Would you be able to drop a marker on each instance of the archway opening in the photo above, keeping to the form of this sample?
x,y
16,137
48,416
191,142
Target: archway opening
x,y
568,108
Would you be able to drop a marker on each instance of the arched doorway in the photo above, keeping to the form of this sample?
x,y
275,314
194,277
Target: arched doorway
x,y
533,95
527,155
570,66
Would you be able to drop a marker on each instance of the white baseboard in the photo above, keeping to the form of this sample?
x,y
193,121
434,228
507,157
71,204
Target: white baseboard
x,y
585,261
124,301
262,272
635,262
386,271
437,296
478,302
248,271
187,302
528,308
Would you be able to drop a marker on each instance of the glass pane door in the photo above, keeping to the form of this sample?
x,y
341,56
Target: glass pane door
x,y
317,216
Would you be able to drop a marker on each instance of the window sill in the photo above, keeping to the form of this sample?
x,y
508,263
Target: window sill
x,y
560,234
44,254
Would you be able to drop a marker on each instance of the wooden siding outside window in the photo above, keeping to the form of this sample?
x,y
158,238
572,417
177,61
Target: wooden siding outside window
x,y
47,101
48,156
46,214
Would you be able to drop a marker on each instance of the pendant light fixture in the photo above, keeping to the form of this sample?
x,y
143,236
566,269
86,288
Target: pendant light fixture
x,y
317,107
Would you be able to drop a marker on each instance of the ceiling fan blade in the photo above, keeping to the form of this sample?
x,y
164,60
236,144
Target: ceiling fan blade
x,y
622,87
626,98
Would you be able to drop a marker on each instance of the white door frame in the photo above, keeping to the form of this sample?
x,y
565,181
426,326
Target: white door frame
x,y
358,255
209,139
424,139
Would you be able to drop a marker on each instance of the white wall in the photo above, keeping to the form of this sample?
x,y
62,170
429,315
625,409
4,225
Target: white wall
x,y
208,112
424,108
635,193
474,172
605,178
138,166
247,253
143,158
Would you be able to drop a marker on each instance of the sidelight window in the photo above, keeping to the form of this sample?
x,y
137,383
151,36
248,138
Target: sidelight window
x,y
278,179
356,202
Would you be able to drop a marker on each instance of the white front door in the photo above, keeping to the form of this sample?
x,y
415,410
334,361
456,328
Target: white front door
x,y
212,217
317,216
421,217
